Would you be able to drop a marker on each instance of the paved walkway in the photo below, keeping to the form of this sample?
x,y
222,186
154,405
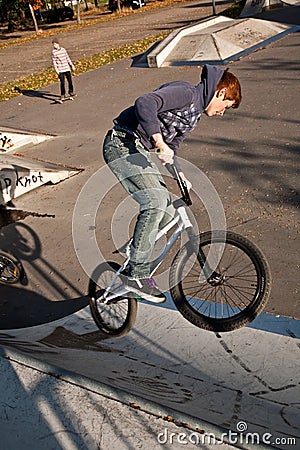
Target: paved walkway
x,y
35,55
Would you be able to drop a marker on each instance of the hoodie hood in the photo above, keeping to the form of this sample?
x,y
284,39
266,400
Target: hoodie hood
x,y
210,77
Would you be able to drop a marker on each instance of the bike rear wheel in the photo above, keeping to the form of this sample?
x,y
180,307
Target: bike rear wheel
x,y
11,269
236,293
116,317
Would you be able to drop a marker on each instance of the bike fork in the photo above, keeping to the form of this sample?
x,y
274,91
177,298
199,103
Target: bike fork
x,y
211,275
110,292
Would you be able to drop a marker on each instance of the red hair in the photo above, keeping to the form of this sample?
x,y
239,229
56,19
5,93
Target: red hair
x,y
233,88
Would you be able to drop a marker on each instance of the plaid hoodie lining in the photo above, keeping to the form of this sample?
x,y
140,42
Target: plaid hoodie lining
x,y
178,122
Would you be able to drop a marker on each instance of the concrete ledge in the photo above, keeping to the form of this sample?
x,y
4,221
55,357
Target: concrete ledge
x,y
11,140
19,176
187,375
158,56
168,423
216,41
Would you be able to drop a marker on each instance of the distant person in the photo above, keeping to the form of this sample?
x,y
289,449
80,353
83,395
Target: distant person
x,y
62,64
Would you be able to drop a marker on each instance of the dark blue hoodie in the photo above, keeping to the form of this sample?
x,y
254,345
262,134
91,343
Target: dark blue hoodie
x,y
173,110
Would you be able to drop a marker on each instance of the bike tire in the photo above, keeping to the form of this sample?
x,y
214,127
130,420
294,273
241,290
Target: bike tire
x,y
243,289
116,318
11,269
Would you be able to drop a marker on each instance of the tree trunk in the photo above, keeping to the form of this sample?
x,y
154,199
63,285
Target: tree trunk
x,y
78,12
34,19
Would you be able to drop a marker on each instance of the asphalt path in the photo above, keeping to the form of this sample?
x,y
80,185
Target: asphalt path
x,y
250,156
35,55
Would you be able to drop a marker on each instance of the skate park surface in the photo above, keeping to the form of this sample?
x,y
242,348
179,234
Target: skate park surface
x,y
64,386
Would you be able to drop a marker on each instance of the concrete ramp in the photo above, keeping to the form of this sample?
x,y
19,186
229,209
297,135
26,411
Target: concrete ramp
x,y
245,382
12,140
216,41
292,2
19,176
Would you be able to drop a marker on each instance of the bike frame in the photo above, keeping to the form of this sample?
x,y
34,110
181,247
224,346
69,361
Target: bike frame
x,y
183,223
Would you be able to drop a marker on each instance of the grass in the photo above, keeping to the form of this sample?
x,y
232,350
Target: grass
x,y
48,76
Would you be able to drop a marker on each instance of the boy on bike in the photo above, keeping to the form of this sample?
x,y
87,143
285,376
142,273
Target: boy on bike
x,y
160,120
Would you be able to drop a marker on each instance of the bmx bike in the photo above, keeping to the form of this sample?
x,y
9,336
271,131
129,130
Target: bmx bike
x,y
219,281
11,269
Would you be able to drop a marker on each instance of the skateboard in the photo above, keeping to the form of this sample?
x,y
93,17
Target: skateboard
x,y
66,98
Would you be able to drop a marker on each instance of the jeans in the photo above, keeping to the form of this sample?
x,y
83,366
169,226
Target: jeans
x,y
132,165
68,76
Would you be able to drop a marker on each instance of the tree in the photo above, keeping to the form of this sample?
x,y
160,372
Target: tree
x,y
78,12
36,5
10,12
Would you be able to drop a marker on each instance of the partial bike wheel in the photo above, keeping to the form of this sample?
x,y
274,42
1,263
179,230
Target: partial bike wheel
x,y
11,269
116,317
234,295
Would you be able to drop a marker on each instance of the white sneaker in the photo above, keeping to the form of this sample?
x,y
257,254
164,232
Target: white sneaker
x,y
145,288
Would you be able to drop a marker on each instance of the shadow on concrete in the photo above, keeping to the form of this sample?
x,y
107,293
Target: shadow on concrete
x,y
217,378
21,308
207,4
26,307
272,178
289,15
45,95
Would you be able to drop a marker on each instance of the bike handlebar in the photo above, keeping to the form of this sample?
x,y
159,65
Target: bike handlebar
x,y
181,183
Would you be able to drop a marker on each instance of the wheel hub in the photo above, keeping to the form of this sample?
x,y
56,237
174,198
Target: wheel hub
x,y
216,279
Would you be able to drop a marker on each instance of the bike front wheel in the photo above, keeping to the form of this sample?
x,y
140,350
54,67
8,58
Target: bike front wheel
x,y
11,269
235,293
117,316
